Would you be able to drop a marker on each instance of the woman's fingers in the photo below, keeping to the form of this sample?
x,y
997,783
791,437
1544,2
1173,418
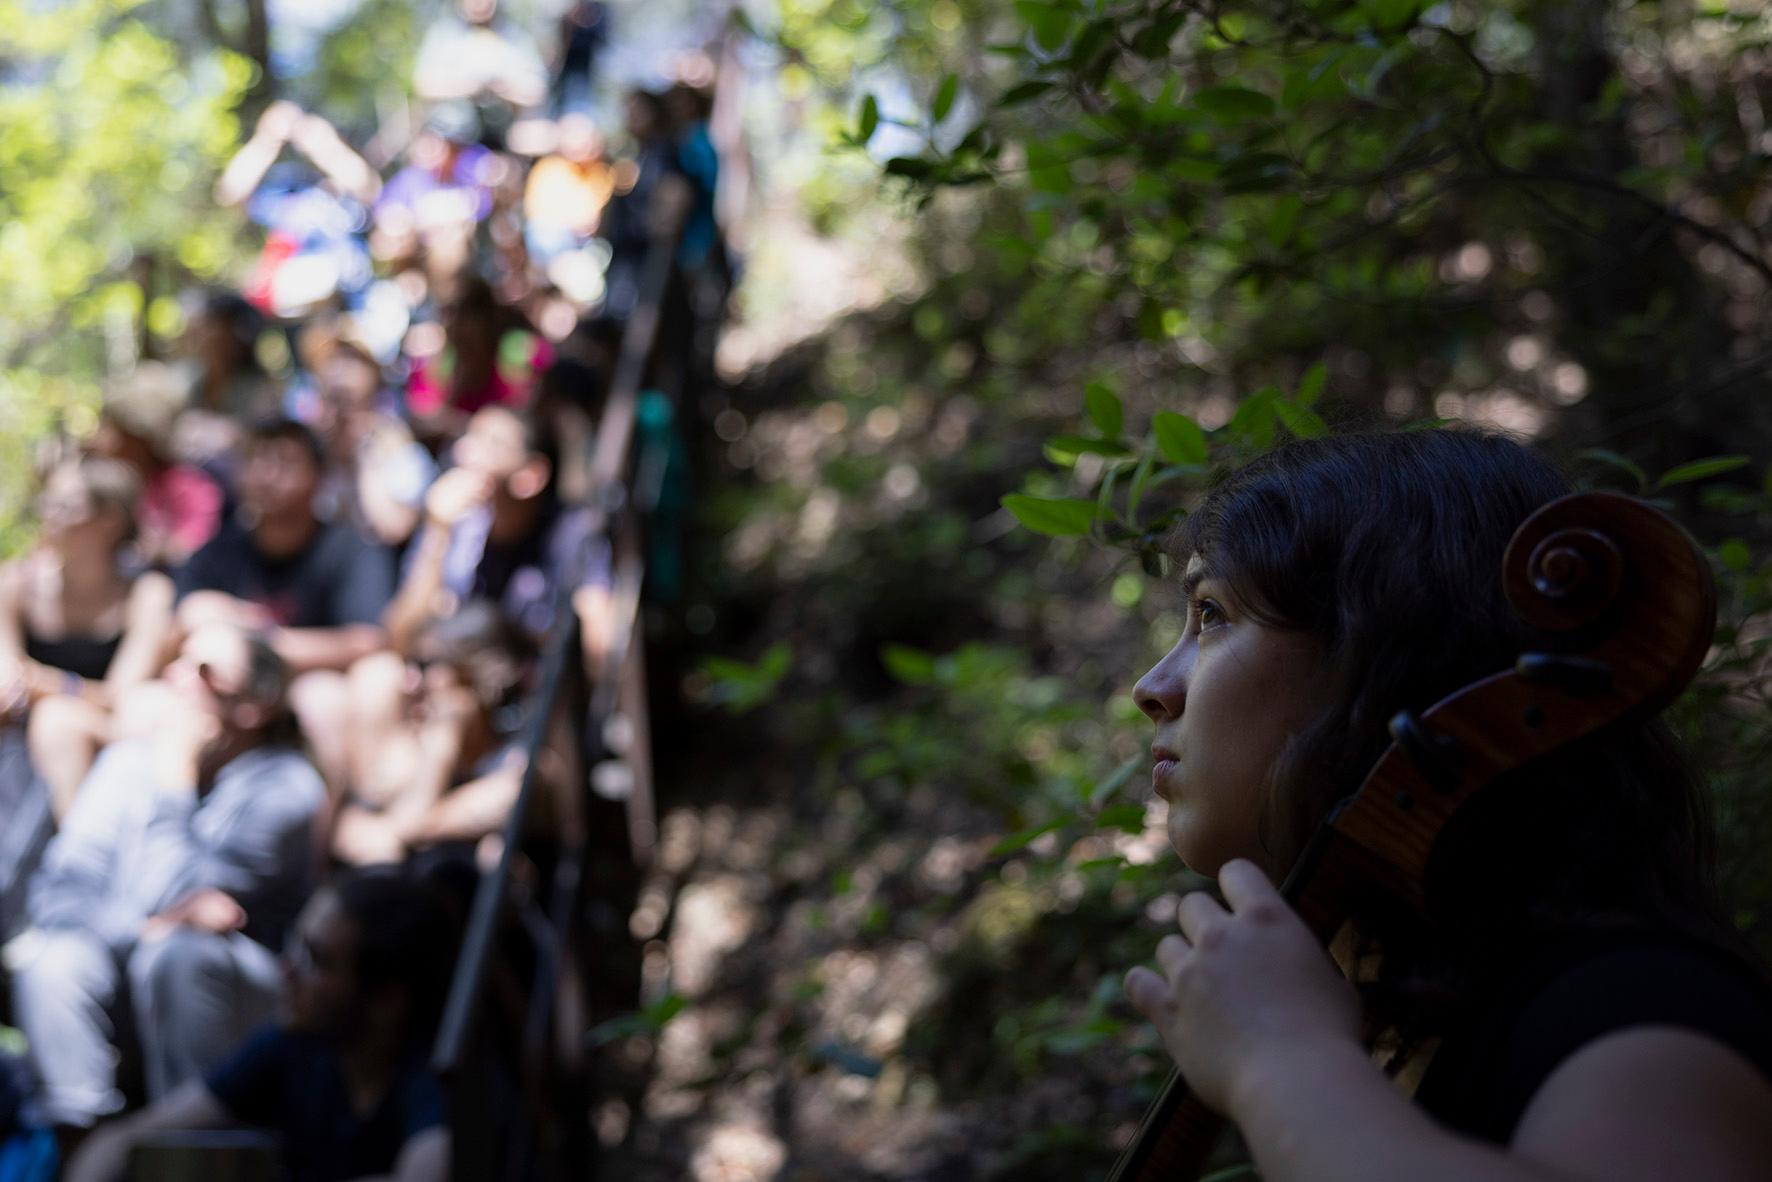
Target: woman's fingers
x,y
1244,884
1172,953
1147,991
1197,912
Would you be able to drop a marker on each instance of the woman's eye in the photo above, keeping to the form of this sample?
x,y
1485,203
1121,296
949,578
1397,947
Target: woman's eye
x,y
1207,614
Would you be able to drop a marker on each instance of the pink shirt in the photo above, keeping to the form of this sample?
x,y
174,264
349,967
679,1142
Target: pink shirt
x,y
521,358
178,511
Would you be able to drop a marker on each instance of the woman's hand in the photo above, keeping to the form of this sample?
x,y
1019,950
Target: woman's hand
x,y
1244,991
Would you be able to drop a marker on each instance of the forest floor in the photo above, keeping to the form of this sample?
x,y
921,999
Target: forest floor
x,y
802,932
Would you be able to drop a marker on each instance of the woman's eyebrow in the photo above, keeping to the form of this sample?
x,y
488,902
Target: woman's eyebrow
x,y
1190,582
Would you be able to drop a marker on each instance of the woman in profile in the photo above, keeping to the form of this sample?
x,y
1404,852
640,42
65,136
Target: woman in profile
x,y
1582,1009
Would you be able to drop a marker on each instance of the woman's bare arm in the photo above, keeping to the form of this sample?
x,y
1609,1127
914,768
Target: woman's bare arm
x,y
104,1155
147,633
1267,1033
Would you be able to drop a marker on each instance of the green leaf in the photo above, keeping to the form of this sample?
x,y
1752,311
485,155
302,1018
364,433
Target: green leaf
x,y
1110,783
1389,14
1017,841
1612,459
868,119
944,98
1135,490
1299,420
1284,219
1310,386
775,661
910,167
1058,518
1234,104
912,666
1079,445
1050,23
1128,818
1735,555
1255,418
1023,92
1701,470
1179,438
1104,408
650,1020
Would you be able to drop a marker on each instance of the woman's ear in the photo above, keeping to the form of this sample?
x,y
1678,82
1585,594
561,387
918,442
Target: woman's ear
x,y
529,480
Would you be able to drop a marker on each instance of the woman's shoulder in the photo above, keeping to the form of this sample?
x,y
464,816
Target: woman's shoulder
x,y
1583,989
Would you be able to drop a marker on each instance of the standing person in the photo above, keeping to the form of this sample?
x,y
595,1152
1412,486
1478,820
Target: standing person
x,y
78,626
343,1078
584,33
1593,1018
649,181
472,55
314,221
179,868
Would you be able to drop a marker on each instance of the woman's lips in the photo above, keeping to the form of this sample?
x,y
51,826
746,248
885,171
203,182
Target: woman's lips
x,y
1161,769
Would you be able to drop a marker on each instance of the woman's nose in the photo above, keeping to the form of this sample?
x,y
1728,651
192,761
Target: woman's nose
x,y
1162,692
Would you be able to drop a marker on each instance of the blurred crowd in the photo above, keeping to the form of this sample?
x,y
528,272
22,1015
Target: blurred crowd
x,y
263,671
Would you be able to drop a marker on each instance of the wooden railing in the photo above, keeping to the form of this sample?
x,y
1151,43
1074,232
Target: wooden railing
x,y
536,1123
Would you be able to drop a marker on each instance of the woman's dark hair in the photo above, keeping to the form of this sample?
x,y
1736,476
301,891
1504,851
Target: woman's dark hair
x,y
242,321
1388,548
268,678
405,937
570,383
489,653
277,428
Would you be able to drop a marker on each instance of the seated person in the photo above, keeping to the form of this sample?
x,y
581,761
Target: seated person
x,y
228,387
77,627
439,767
179,868
344,1079
569,405
180,506
490,358
495,529
317,589
377,472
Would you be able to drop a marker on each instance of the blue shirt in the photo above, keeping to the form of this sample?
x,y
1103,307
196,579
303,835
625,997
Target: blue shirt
x,y
294,1085
127,851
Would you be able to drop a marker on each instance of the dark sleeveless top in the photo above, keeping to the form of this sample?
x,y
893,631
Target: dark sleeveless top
x,y
1487,1071
85,655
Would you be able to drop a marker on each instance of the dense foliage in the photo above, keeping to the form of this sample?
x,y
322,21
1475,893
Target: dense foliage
x,y
1155,239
